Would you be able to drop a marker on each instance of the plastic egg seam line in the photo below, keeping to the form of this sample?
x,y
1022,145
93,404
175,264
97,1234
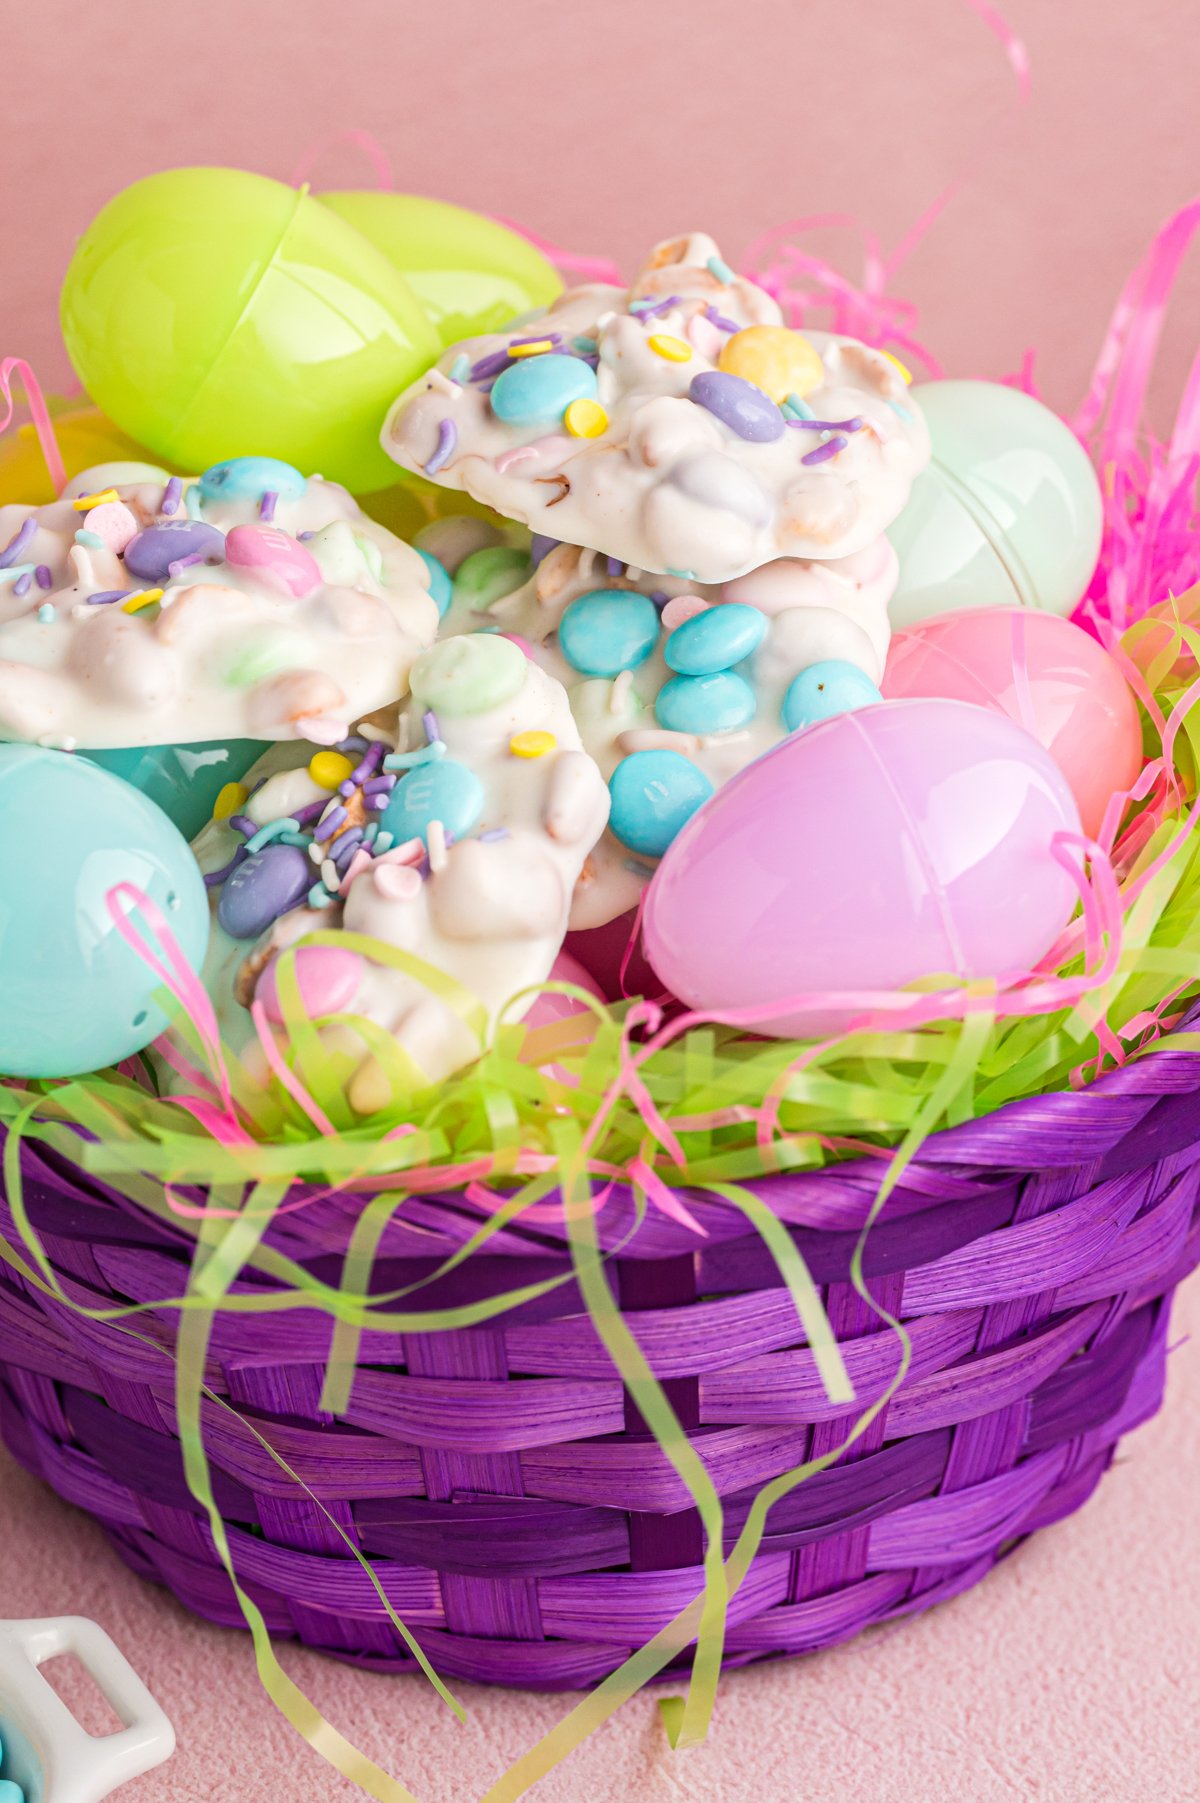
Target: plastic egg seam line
x,y
995,535
183,418
935,887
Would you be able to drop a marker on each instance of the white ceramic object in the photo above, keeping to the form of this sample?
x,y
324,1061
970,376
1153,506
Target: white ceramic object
x,y
46,1751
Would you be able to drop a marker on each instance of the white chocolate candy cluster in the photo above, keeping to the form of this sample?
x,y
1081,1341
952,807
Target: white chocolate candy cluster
x,y
140,610
678,426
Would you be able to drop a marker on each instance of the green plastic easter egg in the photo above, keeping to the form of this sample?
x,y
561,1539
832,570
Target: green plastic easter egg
x,y
183,780
212,313
1008,513
471,274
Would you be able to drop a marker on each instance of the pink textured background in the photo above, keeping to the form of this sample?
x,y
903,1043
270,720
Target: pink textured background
x,y
1069,1676
1072,1674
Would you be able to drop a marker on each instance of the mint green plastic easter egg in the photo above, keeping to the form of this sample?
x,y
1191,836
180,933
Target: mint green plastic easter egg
x,y
212,313
183,780
76,996
471,274
1008,513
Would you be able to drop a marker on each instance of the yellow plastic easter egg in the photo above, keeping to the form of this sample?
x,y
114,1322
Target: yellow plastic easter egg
x,y
85,438
775,359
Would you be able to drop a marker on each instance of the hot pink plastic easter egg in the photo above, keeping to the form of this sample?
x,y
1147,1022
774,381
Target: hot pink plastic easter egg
x,y
274,555
328,979
1052,677
904,840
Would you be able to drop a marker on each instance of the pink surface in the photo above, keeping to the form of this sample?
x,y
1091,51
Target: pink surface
x,y
608,127
1069,1675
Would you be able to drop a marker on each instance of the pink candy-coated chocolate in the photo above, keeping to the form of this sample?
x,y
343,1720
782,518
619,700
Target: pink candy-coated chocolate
x,y
274,555
328,978
680,608
522,644
1050,676
115,523
905,840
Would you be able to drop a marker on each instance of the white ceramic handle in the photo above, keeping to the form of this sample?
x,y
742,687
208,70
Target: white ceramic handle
x,y
95,1765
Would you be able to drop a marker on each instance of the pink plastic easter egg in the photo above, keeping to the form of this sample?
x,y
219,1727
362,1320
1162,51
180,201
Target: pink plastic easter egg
x,y
275,556
327,976
904,840
1037,668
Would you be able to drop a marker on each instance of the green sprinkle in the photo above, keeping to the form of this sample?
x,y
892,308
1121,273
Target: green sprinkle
x,y
460,369
797,408
408,760
47,614
274,829
92,540
15,572
586,346
720,268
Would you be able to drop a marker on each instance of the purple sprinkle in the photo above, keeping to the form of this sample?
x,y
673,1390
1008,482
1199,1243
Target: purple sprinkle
x,y
380,785
305,535
377,802
614,565
105,596
346,846
242,823
354,743
17,543
491,365
329,825
493,834
268,504
184,563
372,758
646,309
447,439
659,596
216,877
825,451
828,425
719,320
23,584
44,578
541,546
429,721
171,496
313,811
539,338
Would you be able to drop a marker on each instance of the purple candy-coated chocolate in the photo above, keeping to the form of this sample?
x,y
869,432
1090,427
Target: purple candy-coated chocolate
x,y
150,555
446,441
504,1484
172,494
12,551
265,885
738,404
825,451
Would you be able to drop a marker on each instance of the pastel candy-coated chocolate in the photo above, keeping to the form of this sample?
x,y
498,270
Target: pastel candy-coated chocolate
x,y
468,675
442,790
274,555
327,976
11,1792
485,575
150,555
441,587
722,702
738,404
250,478
608,631
263,887
654,794
897,842
715,639
824,690
76,996
536,391
776,359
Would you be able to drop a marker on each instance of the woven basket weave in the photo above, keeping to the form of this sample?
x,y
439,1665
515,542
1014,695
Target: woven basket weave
x,y
522,1521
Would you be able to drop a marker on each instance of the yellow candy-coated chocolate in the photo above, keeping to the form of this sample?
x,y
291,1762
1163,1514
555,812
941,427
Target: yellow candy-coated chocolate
x,y
585,419
329,769
534,744
673,349
775,359
230,801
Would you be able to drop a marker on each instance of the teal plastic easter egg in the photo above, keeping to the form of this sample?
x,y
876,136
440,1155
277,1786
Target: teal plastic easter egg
x,y
470,273
183,780
76,997
212,313
1007,514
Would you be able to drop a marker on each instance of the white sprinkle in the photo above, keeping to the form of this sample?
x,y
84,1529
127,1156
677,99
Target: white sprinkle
x,y
316,853
622,684
439,380
330,877
435,839
377,734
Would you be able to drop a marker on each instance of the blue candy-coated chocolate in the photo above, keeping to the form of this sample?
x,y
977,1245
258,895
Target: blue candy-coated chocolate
x,y
536,391
723,702
441,586
715,640
10,1791
654,795
446,790
608,630
824,690
263,887
738,404
250,478
150,555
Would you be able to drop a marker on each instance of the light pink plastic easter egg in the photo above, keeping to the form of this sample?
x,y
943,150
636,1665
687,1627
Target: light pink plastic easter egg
x,y
274,555
327,976
1052,677
904,840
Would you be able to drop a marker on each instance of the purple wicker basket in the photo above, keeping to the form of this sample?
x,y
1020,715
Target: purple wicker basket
x,y
523,1522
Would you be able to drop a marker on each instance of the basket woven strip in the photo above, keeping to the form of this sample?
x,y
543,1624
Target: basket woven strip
x,y
521,1518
